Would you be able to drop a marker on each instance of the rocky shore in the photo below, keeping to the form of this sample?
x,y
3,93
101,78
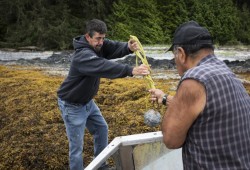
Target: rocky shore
x,y
62,61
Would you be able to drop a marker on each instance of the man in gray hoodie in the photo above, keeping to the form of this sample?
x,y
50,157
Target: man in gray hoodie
x,y
90,62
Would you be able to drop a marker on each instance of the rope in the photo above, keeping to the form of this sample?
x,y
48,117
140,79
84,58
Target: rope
x,y
141,55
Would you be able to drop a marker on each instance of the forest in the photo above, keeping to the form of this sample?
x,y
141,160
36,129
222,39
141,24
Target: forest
x,y
52,24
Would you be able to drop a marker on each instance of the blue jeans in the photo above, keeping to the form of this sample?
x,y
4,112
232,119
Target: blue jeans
x,y
76,117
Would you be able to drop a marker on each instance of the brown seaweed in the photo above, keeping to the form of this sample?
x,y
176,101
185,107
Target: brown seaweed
x,y
32,134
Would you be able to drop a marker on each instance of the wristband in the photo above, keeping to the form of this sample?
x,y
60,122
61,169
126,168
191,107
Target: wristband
x,y
164,99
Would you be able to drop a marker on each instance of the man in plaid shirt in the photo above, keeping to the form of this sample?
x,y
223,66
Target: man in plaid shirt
x,y
209,116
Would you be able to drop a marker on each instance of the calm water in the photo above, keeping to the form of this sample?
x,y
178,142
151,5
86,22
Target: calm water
x,y
8,56
230,55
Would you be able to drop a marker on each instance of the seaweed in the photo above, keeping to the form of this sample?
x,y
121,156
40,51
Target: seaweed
x,y
32,134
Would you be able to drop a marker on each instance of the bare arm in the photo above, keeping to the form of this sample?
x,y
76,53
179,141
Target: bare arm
x,y
184,108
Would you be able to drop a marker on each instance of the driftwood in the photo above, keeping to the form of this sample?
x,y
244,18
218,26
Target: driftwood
x,y
29,48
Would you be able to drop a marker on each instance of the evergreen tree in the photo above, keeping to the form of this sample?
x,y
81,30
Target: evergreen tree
x,y
136,17
227,21
219,16
51,24
4,17
119,24
172,13
241,3
243,32
39,23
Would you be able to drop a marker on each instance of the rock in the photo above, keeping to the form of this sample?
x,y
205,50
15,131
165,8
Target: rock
x,y
59,58
239,66
152,118
64,57
154,64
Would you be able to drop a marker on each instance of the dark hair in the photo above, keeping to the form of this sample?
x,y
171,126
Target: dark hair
x,y
95,25
191,49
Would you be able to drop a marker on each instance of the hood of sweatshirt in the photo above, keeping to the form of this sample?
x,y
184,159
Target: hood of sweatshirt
x,y
80,42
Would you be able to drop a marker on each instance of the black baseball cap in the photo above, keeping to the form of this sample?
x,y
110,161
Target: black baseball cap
x,y
191,33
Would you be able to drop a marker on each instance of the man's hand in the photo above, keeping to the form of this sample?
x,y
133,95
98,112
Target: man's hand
x,y
156,95
141,70
132,45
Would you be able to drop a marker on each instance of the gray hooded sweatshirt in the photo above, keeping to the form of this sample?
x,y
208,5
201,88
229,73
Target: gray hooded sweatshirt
x,y
88,66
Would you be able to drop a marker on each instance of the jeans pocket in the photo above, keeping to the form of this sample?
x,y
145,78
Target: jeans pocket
x,y
75,114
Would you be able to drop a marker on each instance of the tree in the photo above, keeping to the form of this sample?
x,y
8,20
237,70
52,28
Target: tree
x,y
172,13
39,23
219,16
3,19
136,17
241,3
51,24
243,32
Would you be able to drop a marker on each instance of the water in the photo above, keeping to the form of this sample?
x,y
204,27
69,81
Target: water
x,y
226,54
12,56
230,55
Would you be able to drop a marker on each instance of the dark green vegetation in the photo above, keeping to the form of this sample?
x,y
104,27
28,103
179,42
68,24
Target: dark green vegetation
x,y
51,24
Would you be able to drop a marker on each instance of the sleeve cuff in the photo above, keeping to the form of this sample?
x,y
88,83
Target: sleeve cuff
x,y
130,70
